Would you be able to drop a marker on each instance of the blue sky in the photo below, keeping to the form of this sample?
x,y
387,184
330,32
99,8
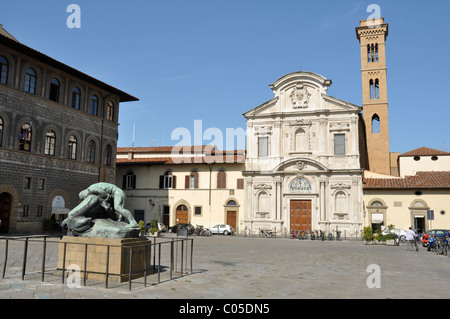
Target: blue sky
x,y
212,60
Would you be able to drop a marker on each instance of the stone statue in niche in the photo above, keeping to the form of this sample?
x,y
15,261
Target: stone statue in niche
x,y
101,214
300,96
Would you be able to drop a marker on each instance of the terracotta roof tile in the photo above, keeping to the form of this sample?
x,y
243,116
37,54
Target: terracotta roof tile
x,y
424,151
420,180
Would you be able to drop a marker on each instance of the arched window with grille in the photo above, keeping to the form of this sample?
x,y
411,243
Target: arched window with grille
x,y
72,148
76,98
94,105
110,111
54,90
25,137
91,152
3,70
30,81
50,141
108,155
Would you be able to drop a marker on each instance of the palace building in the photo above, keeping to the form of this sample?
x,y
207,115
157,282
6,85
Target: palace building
x,y
58,135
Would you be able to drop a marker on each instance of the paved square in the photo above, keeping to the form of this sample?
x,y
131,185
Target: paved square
x,y
252,268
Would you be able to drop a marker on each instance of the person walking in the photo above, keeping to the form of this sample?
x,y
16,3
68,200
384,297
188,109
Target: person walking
x,y
410,237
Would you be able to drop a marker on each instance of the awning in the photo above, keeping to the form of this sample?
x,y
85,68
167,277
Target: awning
x,y
60,211
377,218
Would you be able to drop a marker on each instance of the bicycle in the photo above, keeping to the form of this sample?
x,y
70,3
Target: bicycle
x,y
303,235
330,236
266,233
322,236
441,246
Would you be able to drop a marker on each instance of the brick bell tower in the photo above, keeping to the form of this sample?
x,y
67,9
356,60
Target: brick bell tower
x,y
372,37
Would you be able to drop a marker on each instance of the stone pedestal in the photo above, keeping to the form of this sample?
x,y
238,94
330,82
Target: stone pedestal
x,y
119,256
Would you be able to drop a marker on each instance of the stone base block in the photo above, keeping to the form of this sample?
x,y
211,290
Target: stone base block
x,y
119,256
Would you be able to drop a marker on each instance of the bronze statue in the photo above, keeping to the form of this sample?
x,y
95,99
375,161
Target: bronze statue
x,y
101,214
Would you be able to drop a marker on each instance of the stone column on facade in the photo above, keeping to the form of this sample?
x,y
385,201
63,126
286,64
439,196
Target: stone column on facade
x,y
278,198
322,181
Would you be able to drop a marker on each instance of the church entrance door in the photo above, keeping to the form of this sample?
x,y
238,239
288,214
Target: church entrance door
x,y
300,217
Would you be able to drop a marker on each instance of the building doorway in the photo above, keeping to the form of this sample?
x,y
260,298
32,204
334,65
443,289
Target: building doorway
x,y
5,212
300,215
419,224
231,218
182,214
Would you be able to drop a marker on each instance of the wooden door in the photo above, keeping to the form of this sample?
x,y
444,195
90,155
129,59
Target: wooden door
x,y
231,218
300,215
5,212
182,215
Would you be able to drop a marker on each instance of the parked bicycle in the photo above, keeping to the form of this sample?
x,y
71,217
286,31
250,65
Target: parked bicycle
x,y
201,231
442,246
267,233
330,236
322,235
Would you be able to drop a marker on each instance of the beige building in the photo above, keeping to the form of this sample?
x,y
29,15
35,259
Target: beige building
x,y
198,184
420,198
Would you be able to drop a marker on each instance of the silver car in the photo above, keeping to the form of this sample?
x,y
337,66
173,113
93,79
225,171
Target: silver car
x,y
222,229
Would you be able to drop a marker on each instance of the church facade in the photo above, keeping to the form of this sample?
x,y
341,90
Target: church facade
x,y
303,168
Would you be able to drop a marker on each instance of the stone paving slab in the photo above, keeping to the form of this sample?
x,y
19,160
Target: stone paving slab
x,y
227,267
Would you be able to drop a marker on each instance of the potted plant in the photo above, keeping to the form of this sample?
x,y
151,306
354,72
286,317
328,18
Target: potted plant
x,y
48,226
379,237
390,236
142,227
154,229
367,235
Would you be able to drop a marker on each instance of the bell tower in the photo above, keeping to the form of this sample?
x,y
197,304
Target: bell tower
x,y
372,36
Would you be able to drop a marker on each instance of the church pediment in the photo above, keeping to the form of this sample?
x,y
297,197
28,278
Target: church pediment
x,y
298,93
299,166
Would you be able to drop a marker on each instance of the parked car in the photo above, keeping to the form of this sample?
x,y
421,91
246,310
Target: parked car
x,y
176,227
161,227
400,233
222,229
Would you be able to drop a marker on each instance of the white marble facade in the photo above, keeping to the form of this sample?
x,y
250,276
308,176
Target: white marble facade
x,y
302,146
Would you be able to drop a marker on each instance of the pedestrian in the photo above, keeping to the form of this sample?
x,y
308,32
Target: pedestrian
x,y
410,237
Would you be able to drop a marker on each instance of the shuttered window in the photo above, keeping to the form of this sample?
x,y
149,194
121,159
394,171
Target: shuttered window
x,y
221,179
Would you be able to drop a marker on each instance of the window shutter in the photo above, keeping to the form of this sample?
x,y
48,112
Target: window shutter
x,y
161,181
133,181
196,181
124,181
174,183
186,181
240,183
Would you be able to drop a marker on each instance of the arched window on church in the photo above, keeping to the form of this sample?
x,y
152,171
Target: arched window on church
x,y
372,53
376,52
375,124
374,89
